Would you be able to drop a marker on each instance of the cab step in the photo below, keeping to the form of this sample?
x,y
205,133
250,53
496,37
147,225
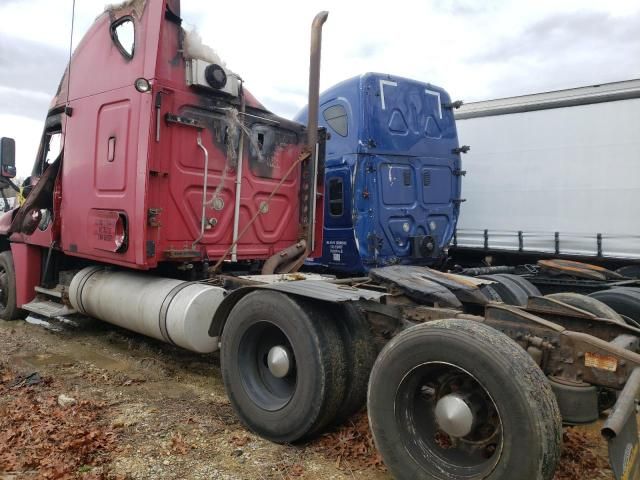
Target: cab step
x,y
56,292
48,308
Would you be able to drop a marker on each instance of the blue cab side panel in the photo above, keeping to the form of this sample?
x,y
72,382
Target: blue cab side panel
x,y
392,178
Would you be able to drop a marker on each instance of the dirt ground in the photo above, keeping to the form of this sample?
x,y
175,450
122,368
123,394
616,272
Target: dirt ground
x,y
92,401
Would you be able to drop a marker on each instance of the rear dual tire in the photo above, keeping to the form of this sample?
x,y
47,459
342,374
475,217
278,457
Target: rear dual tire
x,y
524,426
307,398
624,300
328,351
360,355
530,289
511,289
520,435
588,304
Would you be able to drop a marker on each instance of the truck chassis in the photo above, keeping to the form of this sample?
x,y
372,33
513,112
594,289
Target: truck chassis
x,y
456,385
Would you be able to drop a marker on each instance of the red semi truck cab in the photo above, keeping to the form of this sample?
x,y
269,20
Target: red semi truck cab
x,y
168,165
166,158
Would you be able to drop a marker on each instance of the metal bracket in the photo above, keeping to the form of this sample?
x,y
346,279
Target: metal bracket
x,y
599,244
184,121
520,241
457,104
462,149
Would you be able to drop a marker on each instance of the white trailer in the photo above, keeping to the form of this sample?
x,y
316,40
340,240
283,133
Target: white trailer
x,y
555,172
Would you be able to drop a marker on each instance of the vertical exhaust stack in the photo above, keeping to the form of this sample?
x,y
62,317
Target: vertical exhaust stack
x,y
293,257
314,79
312,141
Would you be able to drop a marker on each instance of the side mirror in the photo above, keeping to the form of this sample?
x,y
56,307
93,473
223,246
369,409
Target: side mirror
x,y
7,157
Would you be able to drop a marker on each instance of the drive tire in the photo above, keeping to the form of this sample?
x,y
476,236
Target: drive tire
x,y
531,425
624,300
490,293
629,271
589,304
360,355
530,289
510,292
8,306
304,402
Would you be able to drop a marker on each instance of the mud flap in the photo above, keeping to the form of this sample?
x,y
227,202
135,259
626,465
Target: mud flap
x,y
621,432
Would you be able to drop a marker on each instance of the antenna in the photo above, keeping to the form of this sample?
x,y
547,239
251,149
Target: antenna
x,y
66,104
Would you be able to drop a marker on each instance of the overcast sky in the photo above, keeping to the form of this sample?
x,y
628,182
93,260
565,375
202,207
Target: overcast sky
x,y
475,49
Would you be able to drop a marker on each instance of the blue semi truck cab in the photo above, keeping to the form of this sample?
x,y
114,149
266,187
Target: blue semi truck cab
x,y
392,179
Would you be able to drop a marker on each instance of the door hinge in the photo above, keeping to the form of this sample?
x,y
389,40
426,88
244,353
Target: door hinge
x,y
182,120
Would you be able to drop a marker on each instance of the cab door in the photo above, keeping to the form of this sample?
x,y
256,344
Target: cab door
x,y
340,248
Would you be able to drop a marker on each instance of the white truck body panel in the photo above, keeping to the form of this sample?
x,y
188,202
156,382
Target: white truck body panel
x,y
566,162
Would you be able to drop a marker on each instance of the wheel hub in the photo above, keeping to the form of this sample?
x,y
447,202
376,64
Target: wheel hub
x,y
454,416
279,361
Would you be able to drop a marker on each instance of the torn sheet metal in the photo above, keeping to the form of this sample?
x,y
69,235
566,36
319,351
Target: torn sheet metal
x,y
577,269
425,284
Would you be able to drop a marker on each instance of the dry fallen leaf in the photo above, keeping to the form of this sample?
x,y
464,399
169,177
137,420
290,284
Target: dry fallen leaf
x,y
351,446
240,440
42,437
